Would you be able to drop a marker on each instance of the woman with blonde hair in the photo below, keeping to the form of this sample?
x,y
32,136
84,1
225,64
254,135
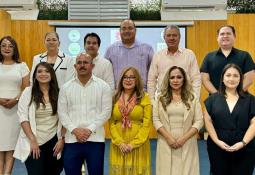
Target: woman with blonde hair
x,y
130,124
177,117
61,63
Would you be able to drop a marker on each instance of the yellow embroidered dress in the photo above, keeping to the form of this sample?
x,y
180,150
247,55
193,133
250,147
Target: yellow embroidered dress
x,y
138,161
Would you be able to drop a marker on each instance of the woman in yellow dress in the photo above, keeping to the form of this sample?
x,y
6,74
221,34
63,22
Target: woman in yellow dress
x,y
130,125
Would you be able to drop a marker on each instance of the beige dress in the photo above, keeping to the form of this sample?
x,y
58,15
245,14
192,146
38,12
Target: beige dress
x,y
175,112
177,120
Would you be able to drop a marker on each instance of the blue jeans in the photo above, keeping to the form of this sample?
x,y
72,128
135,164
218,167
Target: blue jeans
x,y
91,152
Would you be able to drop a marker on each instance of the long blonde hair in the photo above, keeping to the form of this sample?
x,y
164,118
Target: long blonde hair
x,y
165,92
138,85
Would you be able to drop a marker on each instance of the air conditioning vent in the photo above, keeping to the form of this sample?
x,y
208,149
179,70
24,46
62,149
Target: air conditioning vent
x,y
17,4
194,3
9,6
189,7
193,10
98,10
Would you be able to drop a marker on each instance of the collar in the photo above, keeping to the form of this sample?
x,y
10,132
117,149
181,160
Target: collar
x,y
96,58
233,50
59,60
179,51
92,78
136,43
60,54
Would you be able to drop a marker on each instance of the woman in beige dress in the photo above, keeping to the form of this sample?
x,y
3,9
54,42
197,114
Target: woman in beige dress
x,y
177,117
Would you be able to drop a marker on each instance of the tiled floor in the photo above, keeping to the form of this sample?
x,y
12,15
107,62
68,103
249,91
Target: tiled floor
x,y
19,168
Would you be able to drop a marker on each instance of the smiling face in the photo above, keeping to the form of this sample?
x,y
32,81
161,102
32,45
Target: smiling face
x,y
231,78
176,79
91,46
7,48
226,38
42,75
129,80
51,41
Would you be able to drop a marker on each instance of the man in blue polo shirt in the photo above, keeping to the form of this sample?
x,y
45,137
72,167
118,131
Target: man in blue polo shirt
x,y
215,61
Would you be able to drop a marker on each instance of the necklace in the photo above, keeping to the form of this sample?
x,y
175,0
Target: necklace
x,y
177,103
176,99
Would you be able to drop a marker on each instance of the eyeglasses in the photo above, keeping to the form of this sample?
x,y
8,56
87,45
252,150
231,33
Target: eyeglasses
x,y
132,78
5,46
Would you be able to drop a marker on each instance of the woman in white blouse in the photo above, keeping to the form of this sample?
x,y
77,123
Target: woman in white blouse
x,y
61,63
14,76
41,138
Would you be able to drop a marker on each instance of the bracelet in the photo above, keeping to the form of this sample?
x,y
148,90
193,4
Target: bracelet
x,y
244,143
62,138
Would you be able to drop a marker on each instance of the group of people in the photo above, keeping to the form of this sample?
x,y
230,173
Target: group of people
x,y
63,104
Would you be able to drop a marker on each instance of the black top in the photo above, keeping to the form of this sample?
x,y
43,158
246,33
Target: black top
x,y
231,127
214,62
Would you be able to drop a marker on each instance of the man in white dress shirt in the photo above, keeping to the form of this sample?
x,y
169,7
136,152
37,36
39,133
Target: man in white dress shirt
x,y
84,105
103,67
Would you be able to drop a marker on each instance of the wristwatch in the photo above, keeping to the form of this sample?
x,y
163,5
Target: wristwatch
x,y
244,143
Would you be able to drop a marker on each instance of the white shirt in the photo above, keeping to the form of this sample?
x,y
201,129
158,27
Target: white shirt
x,y
26,112
103,69
86,106
63,67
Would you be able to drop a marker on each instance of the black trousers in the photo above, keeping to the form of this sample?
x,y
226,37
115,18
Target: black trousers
x,y
47,164
225,163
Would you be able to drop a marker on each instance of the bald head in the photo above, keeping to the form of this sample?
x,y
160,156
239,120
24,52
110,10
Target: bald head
x,y
84,55
84,65
127,21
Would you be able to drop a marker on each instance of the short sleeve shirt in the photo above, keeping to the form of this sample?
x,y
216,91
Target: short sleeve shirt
x,y
231,126
214,62
139,55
